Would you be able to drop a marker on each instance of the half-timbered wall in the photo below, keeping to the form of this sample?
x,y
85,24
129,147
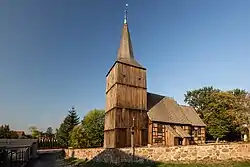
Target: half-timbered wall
x,y
159,134
187,129
198,134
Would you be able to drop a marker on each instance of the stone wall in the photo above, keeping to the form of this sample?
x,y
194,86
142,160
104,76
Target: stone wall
x,y
165,154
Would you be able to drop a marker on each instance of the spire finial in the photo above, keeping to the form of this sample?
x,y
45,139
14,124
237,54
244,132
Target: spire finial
x,y
125,14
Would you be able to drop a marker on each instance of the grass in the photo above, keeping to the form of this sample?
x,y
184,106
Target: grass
x,y
84,163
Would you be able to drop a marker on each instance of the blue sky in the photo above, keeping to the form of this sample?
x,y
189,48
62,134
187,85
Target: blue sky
x,y
56,53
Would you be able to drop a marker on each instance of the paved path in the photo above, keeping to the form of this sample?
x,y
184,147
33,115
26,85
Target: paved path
x,y
49,159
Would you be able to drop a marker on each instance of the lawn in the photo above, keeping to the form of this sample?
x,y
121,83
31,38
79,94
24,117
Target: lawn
x,y
82,163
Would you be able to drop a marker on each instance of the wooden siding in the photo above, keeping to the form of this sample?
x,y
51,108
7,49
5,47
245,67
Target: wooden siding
x,y
123,139
126,98
111,98
150,132
111,79
171,140
109,123
129,75
109,138
131,97
124,118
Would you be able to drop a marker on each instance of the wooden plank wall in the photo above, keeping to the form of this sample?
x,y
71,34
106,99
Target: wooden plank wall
x,y
170,140
131,97
110,119
109,138
111,98
124,118
111,79
129,75
126,98
150,132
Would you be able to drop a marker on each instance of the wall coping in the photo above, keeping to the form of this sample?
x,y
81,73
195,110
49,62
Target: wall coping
x,y
152,147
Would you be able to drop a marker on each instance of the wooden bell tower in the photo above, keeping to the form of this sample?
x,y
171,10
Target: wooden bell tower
x,y
126,98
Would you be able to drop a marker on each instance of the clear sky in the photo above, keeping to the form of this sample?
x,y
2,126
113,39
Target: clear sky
x,y
56,53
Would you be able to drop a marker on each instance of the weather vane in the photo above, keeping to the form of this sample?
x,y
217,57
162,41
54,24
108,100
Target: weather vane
x,y
126,13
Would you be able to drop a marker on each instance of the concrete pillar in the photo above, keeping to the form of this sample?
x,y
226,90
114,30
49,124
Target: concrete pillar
x,y
34,150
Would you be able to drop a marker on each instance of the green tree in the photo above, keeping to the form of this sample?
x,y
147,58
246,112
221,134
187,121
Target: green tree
x,y
66,126
5,131
238,92
219,115
49,131
34,131
93,125
224,112
77,137
200,98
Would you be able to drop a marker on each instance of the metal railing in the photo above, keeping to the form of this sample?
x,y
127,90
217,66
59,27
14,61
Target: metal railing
x,y
15,156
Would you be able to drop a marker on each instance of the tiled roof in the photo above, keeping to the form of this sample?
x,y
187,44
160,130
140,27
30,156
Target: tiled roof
x,y
192,116
166,109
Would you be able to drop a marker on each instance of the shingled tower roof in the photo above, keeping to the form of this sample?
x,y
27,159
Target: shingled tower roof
x,y
125,51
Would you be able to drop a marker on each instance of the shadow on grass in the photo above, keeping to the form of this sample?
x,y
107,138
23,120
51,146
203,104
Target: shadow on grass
x,y
83,163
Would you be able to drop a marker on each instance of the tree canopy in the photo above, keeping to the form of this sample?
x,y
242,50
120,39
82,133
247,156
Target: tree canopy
x,y
6,133
77,137
93,125
67,126
34,131
224,112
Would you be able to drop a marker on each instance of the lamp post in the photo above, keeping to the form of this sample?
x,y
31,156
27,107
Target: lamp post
x,y
132,140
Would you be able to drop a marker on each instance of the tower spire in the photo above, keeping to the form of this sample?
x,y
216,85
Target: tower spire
x,y
125,51
126,14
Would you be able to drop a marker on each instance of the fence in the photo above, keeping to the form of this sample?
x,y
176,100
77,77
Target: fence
x,y
49,144
15,156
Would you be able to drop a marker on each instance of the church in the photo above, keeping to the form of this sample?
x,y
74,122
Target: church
x,y
135,117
